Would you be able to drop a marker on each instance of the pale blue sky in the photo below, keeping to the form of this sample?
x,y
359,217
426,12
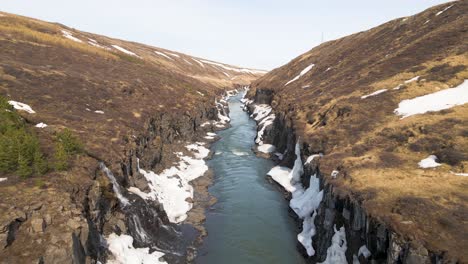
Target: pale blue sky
x,y
252,33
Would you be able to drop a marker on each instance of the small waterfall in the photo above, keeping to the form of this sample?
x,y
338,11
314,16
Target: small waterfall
x,y
115,185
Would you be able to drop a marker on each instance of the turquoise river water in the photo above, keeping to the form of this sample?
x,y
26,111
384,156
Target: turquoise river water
x,y
250,222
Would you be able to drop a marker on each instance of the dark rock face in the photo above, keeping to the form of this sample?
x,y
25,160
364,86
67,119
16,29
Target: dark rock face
x,y
263,96
12,228
361,229
145,221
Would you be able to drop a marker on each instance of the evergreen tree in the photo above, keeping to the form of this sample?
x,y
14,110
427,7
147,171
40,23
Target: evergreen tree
x,y
8,154
19,147
61,157
71,144
24,167
40,164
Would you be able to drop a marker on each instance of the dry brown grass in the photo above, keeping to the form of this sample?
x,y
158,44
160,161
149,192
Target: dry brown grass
x,y
25,32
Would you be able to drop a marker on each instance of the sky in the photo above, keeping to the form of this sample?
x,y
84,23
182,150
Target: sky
x,y
262,34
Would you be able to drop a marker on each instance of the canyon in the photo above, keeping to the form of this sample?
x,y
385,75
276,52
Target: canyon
x,y
353,152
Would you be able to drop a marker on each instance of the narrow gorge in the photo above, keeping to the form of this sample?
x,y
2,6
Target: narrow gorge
x,y
117,152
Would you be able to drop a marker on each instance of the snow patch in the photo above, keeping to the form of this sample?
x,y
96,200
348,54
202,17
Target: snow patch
x,y
41,125
406,82
289,179
281,176
304,71
437,101
199,62
312,157
279,155
21,107
445,9
398,87
336,252
205,124
364,251
298,169
460,174
429,162
260,111
374,93
200,151
123,251
266,148
266,122
70,36
125,51
174,55
308,231
163,54
412,80
240,70
99,112
94,43
334,174
138,192
3,179
172,186
308,201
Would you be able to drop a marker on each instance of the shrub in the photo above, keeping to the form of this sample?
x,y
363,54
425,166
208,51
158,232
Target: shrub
x,y
398,136
443,72
359,149
451,156
389,160
428,144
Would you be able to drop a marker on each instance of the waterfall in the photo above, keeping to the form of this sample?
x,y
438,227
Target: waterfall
x,y
115,185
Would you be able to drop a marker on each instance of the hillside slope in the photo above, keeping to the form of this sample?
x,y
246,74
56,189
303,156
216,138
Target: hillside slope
x,y
342,99
127,104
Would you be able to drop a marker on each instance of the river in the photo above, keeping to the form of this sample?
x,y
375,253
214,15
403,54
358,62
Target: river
x,y
250,222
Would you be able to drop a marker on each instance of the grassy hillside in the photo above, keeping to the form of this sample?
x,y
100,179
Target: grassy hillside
x,y
102,89
81,98
344,107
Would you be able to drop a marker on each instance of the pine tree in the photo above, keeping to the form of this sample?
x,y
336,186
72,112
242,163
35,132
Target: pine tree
x,y
71,144
8,155
39,164
24,167
61,157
